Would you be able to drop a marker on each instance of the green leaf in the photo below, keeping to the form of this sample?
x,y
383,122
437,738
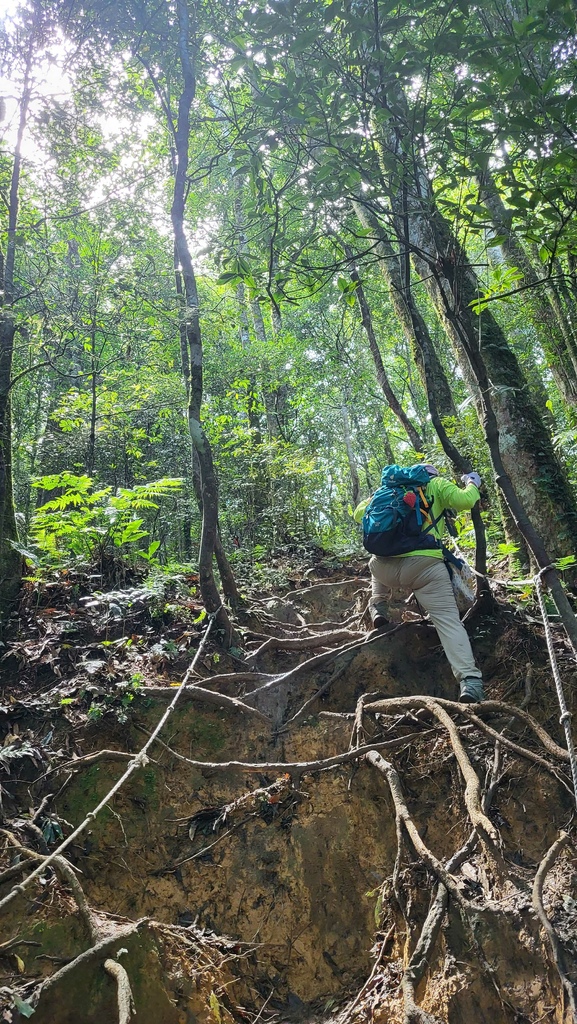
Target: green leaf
x,y
565,563
378,909
228,277
215,1007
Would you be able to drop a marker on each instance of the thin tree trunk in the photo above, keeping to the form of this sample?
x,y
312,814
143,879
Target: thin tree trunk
x,y
91,453
356,487
199,439
367,321
408,312
276,319
243,331
363,454
184,353
229,587
10,559
258,321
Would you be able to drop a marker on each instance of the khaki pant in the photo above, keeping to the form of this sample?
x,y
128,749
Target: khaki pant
x,y
429,580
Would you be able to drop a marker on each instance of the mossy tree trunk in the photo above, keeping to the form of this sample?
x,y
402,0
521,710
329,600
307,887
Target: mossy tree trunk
x,y
527,471
398,273
525,445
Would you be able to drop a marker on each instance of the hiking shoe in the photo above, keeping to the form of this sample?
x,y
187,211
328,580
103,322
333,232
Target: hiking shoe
x,y
471,690
380,621
378,616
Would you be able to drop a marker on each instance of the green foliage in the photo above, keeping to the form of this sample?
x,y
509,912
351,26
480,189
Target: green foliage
x,y
289,128
85,525
504,281
118,702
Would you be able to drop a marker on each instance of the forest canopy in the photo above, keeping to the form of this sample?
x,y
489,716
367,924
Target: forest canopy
x,y
253,252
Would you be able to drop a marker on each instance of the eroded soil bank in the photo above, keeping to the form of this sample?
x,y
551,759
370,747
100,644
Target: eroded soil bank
x,y
240,894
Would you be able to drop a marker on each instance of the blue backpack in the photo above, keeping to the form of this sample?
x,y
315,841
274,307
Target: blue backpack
x,y
393,519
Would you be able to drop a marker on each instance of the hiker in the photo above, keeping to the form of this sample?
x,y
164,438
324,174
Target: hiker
x,y
419,566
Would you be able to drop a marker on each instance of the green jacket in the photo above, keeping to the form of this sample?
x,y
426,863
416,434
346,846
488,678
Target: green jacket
x,y
444,495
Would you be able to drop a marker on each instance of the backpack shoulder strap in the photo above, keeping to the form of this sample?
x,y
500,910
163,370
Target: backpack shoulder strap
x,y
427,509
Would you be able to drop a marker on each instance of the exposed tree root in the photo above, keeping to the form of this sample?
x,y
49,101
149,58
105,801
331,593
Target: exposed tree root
x,y
304,643
104,945
347,1013
313,663
304,710
219,700
438,714
322,586
78,763
560,959
67,872
417,966
480,822
295,768
421,849
473,717
125,1000
15,870
497,707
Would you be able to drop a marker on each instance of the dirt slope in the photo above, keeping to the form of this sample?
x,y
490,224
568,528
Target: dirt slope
x,y
297,894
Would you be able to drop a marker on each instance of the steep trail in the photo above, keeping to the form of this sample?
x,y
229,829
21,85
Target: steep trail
x,y
263,865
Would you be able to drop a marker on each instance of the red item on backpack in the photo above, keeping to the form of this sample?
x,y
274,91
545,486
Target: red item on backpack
x,y
410,499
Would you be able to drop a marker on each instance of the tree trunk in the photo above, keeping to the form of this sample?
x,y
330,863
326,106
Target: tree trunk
x,y
10,559
546,310
209,485
356,487
483,355
367,321
91,453
523,522
408,312
525,445
432,371
229,587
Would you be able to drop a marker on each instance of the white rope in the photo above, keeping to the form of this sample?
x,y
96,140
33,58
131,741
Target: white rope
x,y
139,761
565,719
